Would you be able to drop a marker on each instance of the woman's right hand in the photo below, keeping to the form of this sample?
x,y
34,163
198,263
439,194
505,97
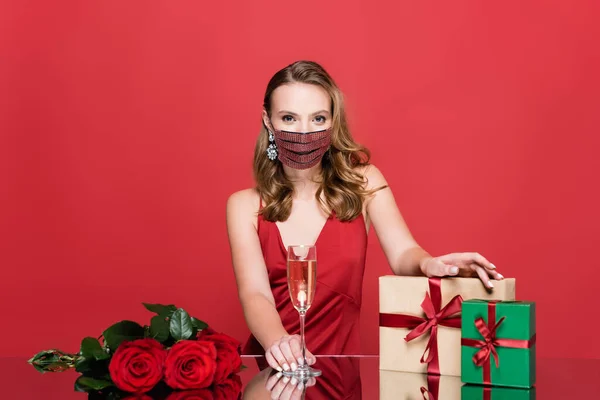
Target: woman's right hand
x,y
285,354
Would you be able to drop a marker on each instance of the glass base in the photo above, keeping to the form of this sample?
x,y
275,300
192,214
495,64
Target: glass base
x,y
303,372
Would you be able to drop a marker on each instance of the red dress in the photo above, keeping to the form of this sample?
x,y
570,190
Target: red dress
x,y
332,322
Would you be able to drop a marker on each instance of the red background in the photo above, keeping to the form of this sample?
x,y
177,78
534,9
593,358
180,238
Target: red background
x,y
126,125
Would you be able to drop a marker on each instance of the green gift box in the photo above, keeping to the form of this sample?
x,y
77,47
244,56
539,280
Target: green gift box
x,y
498,343
476,392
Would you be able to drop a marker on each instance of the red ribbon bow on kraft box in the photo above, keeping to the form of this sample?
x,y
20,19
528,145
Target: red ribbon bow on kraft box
x,y
434,315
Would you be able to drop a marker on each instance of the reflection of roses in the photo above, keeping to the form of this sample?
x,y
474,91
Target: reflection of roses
x,y
191,364
228,353
198,394
230,389
137,366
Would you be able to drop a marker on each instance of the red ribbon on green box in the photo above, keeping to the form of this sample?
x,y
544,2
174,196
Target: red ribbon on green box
x,y
435,315
487,346
487,393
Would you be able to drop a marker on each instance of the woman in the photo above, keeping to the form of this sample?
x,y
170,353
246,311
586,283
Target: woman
x,y
315,185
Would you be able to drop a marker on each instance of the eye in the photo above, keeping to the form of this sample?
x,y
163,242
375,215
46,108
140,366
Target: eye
x,y
285,118
320,118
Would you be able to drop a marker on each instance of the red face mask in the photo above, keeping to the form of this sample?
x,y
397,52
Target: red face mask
x,y
302,150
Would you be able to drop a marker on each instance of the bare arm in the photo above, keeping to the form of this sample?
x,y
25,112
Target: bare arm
x,y
404,254
254,290
250,271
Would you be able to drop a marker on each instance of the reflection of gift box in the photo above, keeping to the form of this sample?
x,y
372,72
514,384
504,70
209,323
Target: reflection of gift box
x,y
498,343
394,385
477,392
420,320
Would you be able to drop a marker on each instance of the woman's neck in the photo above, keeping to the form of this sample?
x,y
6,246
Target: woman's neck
x,y
305,182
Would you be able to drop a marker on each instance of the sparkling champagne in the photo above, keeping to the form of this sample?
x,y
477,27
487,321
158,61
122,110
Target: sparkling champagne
x,y
301,283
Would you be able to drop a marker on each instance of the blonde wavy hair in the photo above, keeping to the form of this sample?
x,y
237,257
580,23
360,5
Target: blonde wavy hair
x,y
342,186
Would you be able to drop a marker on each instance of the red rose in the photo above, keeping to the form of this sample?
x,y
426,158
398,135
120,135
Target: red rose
x,y
137,365
230,389
196,394
191,364
205,333
228,354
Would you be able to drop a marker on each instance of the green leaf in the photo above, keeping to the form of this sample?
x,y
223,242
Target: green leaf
x,y
44,357
83,365
86,384
181,325
121,331
59,366
161,309
39,368
199,324
52,361
159,328
92,367
50,356
90,348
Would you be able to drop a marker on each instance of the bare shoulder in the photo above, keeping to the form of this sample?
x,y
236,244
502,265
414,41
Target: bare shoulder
x,y
243,204
373,176
245,197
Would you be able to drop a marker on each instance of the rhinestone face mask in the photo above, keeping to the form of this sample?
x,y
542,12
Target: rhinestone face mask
x,y
302,150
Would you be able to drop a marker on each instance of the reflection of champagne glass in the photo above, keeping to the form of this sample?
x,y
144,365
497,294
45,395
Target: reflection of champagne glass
x,y
302,278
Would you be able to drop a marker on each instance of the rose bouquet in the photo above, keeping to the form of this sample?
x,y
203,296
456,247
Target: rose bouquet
x,y
175,352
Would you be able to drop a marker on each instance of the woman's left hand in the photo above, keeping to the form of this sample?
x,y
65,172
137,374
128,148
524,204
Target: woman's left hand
x,y
461,264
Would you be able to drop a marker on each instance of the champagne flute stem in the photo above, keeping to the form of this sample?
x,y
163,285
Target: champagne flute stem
x,y
303,343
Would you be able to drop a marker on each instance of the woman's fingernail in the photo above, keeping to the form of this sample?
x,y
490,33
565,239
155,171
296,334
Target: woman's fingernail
x,y
500,276
278,375
454,270
294,381
493,266
278,369
286,379
300,361
294,366
286,367
301,385
490,284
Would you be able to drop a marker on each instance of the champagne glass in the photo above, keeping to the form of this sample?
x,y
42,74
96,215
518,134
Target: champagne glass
x,y
302,278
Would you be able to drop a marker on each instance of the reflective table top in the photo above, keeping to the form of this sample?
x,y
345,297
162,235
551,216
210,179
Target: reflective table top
x,y
344,377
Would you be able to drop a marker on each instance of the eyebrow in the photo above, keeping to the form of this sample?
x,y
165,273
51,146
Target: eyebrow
x,y
294,114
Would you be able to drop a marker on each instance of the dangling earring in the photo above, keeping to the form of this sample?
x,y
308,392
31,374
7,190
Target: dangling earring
x,y
272,149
